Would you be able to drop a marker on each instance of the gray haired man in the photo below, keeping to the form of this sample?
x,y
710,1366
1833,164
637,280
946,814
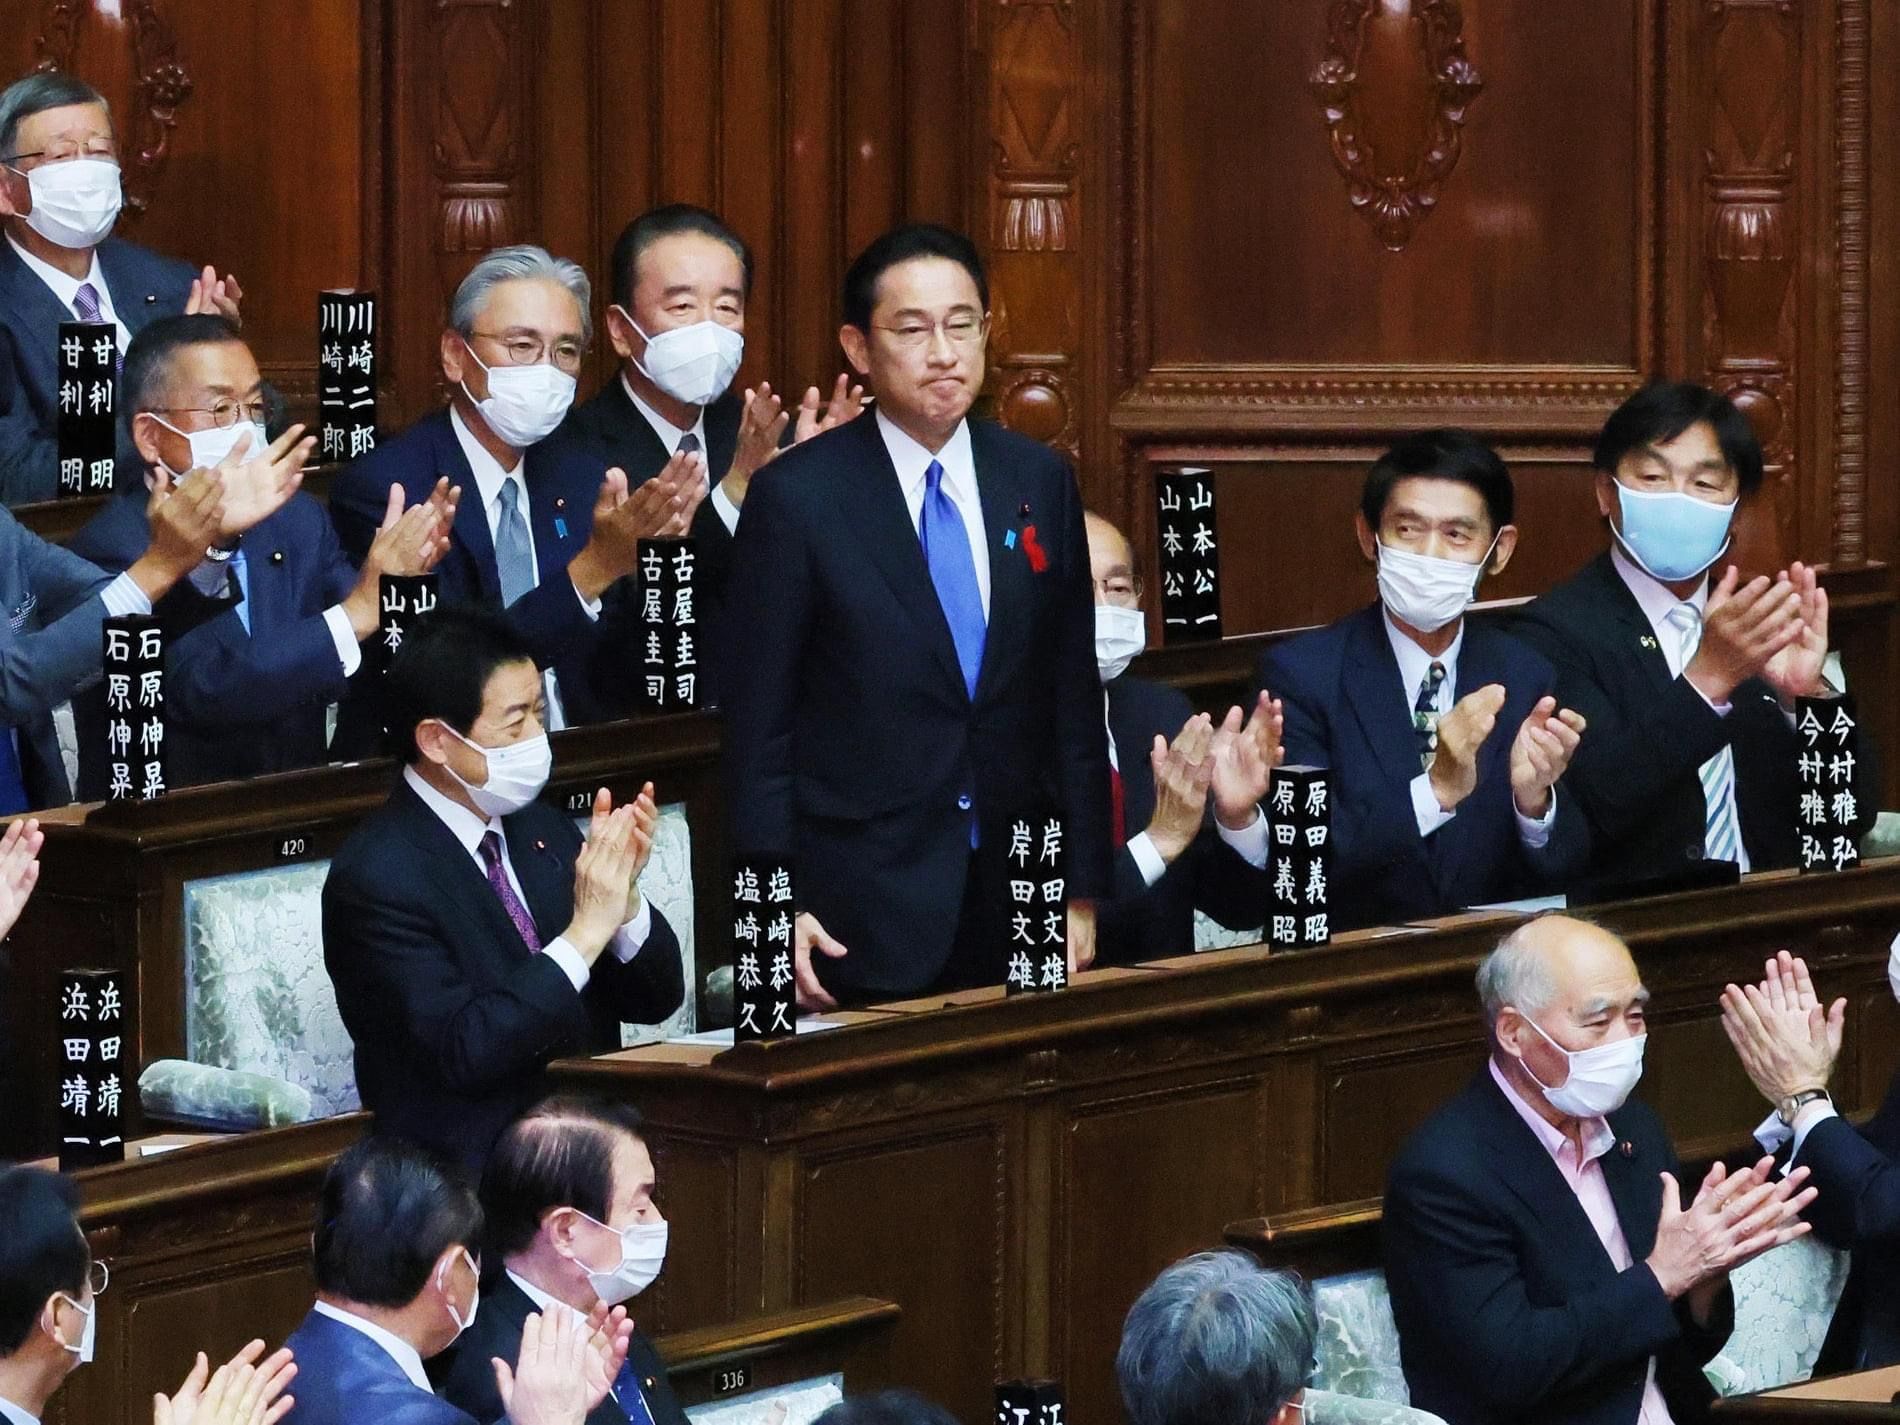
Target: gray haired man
x,y
541,533
1217,1339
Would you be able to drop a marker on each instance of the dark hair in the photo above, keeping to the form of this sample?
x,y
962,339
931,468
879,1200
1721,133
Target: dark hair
x,y
148,360
903,244
887,1407
37,92
442,671
1663,410
387,1211
560,1153
41,1251
1442,454
651,226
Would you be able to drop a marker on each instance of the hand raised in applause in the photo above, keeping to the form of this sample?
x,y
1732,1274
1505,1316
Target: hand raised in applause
x,y
1744,626
1545,743
239,1392
19,868
408,542
549,1382
1461,737
760,429
660,508
1786,1041
185,522
606,893
845,403
1244,759
1183,770
1735,1218
259,483
1795,672
213,295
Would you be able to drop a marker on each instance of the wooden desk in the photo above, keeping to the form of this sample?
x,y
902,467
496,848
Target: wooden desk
x,y
1012,1173
1864,1395
851,1336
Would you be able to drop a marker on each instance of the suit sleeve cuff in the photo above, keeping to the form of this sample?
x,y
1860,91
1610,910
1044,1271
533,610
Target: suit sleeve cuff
x,y
569,959
1250,842
723,507
1771,1133
632,936
1804,1122
590,607
211,579
1141,849
1534,831
123,598
348,651
1720,709
1425,807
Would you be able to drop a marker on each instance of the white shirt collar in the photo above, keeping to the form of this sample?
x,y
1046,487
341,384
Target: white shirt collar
x,y
400,1351
542,1301
912,462
63,287
489,476
1655,599
1598,1136
467,827
1415,662
16,1414
668,433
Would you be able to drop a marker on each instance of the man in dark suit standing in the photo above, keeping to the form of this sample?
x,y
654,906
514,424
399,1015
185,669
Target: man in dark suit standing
x,y
568,1197
276,613
911,650
1443,740
398,1281
472,935
1541,1261
540,534
59,199
1689,686
1173,855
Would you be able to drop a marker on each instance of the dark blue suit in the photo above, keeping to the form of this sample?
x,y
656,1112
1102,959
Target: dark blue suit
x,y
344,1378
1508,1307
1857,1173
240,704
852,742
563,481
143,286
1346,710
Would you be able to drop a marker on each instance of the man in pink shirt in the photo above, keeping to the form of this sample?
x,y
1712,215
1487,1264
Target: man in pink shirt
x,y
1542,1263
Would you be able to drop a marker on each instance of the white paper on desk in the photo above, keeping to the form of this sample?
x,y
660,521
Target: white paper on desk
x,y
152,1150
722,1038
1530,905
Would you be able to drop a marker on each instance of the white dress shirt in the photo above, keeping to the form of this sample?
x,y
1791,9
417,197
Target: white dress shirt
x,y
489,480
400,1351
912,463
1250,843
671,435
468,828
16,1414
1414,664
65,289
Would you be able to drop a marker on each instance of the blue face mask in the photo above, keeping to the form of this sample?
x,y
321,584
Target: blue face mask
x,y
1672,536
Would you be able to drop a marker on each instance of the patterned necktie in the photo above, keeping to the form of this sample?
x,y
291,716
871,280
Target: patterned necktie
x,y
952,569
1425,713
510,902
240,577
514,553
1720,830
1117,805
86,308
630,1397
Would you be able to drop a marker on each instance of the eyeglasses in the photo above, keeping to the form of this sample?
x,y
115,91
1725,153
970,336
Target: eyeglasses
x,y
1122,589
960,330
225,413
63,152
99,1277
526,350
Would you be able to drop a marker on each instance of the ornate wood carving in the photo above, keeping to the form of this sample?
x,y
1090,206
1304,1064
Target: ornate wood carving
x,y
1034,73
1851,124
1750,304
1394,85
160,83
481,74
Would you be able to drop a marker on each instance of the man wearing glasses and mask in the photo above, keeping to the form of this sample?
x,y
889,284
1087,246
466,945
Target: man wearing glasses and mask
x,y
60,196
539,535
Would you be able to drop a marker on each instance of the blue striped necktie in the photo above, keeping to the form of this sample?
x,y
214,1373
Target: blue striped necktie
x,y
1721,831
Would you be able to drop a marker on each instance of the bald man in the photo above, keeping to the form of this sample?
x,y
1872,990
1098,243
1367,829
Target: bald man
x,y
1185,794
1535,1273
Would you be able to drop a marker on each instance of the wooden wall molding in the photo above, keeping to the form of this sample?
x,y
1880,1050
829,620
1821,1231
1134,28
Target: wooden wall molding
x,y
1851,255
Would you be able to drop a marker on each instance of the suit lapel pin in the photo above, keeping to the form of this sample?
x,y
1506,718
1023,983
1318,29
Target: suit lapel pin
x,y
277,556
1626,1148
540,846
1038,559
1009,539
1649,641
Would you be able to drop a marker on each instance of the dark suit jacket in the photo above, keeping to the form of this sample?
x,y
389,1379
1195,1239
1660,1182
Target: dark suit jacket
x,y
240,704
453,1020
1346,710
1507,1305
850,736
1635,773
344,1378
1146,922
612,432
563,483
1857,1174
465,1374
143,286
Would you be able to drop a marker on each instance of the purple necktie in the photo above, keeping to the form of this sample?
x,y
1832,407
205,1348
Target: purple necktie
x,y
510,902
86,308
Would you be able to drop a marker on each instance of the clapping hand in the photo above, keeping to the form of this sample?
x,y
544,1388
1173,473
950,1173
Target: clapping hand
x,y
407,542
259,483
549,1384
1461,736
847,400
1183,770
610,1332
215,295
239,1392
1744,627
1244,759
1795,672
1545,743
1735,1218
619,841
761,427
1786,1041
19,868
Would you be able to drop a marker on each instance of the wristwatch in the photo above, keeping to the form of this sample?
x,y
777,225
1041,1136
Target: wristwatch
x,y
1794,1103
216,555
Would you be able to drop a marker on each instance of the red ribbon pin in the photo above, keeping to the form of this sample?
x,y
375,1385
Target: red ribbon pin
x,y
1038,559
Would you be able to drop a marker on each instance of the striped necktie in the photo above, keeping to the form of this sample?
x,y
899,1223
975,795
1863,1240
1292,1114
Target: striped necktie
x,y
1425,713
1721,831
86,307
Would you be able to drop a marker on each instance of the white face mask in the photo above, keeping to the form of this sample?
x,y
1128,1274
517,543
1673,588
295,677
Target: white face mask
x,y
1600,1080
75,203
209,447
84,1349
1424,591
642,1253
526,404
1119,635
693,364
1893,967
516,773
474,1302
